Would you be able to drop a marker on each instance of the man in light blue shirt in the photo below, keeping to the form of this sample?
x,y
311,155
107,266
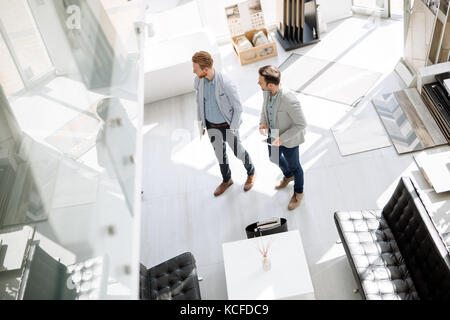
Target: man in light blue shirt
x,y
270,109
212,112
219,110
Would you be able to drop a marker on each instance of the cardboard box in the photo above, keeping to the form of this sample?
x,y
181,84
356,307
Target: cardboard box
x,y
245,19
256,53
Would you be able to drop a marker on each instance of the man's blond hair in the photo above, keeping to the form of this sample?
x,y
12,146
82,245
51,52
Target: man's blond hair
x,y
203,59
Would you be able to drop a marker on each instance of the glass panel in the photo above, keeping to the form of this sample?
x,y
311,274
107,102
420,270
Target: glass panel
x,y
78,135
25,39
9,76
123,13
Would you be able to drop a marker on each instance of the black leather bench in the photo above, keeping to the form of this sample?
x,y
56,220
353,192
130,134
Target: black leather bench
x,y
396,253
174,279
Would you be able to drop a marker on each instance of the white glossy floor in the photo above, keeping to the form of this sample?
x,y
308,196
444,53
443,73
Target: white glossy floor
x,y
180,212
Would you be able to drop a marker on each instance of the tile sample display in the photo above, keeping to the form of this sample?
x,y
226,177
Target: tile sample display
x,y
419,34
297,23
359,135
407,121
426,117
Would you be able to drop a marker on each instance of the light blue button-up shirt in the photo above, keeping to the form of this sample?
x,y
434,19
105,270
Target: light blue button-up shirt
x,y
270,109
212,111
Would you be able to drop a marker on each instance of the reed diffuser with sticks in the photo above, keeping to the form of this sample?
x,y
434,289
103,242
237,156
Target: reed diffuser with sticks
x,y
264,250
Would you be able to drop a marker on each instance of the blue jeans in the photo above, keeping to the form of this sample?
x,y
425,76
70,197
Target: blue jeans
x,y
289,162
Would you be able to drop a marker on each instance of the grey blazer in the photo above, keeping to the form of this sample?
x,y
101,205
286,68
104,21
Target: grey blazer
x,y
227,99
289,118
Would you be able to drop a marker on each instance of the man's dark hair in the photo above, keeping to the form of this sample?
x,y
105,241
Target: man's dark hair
x,y
271,74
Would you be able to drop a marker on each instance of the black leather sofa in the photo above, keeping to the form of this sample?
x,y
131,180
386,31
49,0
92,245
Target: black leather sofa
x,y
174,279
396,253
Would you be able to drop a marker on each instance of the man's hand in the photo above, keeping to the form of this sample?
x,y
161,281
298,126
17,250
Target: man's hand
x,y
277,142
263,128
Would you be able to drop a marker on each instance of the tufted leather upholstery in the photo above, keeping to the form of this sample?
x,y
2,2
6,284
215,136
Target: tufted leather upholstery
x,y
375,256
174,279
144,283
396,253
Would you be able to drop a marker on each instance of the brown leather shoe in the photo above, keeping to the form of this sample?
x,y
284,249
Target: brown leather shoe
x,y
249,183
222,187
295,200
283,183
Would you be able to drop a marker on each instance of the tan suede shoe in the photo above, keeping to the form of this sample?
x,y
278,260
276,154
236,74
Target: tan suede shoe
x,y
283,183
222,187
295,200
249,183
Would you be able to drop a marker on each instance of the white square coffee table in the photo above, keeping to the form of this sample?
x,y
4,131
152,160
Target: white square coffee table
x,y
288,277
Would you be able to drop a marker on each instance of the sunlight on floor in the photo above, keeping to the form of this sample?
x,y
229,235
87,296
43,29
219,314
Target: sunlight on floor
x,y
386,195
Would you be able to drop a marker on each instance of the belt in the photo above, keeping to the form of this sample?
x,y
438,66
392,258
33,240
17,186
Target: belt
x,y
217,125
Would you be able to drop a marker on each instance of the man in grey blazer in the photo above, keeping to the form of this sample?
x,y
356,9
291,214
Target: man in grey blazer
x,y
283,118
219,110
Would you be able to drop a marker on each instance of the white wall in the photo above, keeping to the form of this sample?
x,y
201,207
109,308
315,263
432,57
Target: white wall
x,y
333,10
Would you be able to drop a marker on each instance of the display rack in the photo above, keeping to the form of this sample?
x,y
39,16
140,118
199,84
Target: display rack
x,y
297,23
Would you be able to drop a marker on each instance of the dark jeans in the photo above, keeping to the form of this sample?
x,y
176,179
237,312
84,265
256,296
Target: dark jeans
x,y
289,162
218,137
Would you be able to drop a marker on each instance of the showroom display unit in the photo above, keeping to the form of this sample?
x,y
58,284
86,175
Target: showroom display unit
x,y
439,50
438,102
431,84
408,121
427,38
250,38
297,23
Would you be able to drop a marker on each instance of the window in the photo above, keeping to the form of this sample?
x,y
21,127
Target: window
x,y
9,76
23,40
378,8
